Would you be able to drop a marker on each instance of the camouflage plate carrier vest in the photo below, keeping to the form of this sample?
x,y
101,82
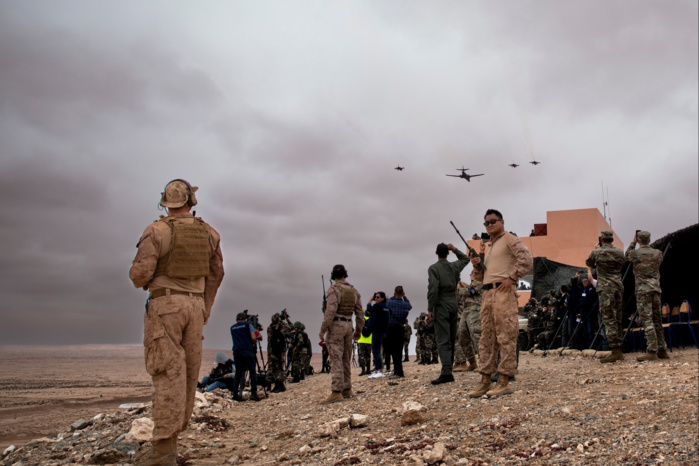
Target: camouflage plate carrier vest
x,y
190,250
347,300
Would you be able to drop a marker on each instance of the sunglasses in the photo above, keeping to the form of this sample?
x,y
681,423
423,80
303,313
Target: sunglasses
x,y
491,222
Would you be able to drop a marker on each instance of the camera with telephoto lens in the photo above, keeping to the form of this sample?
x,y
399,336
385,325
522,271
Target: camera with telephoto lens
x,y
253,319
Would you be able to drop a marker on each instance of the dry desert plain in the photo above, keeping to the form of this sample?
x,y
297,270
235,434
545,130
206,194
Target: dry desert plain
x,y
566,409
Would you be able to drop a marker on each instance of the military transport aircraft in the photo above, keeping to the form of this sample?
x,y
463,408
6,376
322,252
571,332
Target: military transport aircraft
x,y
513,165
535,162
465,175
399,168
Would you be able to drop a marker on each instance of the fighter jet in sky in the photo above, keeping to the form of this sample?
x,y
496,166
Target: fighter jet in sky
x,y
513,165
399,168
535,162
465,175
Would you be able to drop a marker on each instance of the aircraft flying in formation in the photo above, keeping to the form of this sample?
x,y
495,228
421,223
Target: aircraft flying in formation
x,y
513,165
399,168
535,162
465,175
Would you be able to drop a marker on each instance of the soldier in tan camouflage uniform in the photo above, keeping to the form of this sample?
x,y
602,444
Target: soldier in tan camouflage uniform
x,y
343,300
507,259
646,267
468,335
609,260
179,262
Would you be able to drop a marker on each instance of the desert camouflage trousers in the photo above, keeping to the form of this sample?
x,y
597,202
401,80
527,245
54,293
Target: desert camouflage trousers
x,y
648,304
275,364
338,341
499,331
364,350
468,334
610,306
172,339
406,343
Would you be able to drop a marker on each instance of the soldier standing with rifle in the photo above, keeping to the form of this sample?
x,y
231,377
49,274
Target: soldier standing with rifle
x,y
507,259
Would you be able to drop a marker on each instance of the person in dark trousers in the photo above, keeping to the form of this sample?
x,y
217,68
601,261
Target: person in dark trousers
x,y
244,337
398,308
442,305
377,324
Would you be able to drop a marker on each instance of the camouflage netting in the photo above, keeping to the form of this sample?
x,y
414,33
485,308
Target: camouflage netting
x,y
677,277
550,275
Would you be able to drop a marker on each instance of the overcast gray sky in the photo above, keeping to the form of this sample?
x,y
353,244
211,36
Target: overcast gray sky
x,y
290,117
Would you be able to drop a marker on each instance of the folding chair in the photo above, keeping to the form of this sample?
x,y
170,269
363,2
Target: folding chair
x,y
680,317
665,311
686,319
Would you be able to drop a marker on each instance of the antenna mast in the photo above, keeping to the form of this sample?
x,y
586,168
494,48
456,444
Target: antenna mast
x,y
604,204
610,210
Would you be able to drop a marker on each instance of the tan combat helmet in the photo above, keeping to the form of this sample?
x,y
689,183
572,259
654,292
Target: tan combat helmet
x,y
178,193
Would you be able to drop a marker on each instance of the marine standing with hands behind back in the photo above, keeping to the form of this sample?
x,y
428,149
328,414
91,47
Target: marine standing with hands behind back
x,y
179,262
343,300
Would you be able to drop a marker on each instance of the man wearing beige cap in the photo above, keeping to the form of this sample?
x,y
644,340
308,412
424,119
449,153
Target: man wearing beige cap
x,y
608,261
646,268
179,262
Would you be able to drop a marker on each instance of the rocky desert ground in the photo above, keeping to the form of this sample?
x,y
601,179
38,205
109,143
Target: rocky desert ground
x,y
61,406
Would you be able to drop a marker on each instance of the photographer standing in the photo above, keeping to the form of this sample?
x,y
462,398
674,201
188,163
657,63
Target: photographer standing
x,y
398,308
343,301
608,261
646,268
244,336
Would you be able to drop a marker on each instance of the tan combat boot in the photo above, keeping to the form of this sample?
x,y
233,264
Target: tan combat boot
x,y
501,388
649,356
333,398
459,367
164,453
662,354
347,393
616,355
481,389
472,365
